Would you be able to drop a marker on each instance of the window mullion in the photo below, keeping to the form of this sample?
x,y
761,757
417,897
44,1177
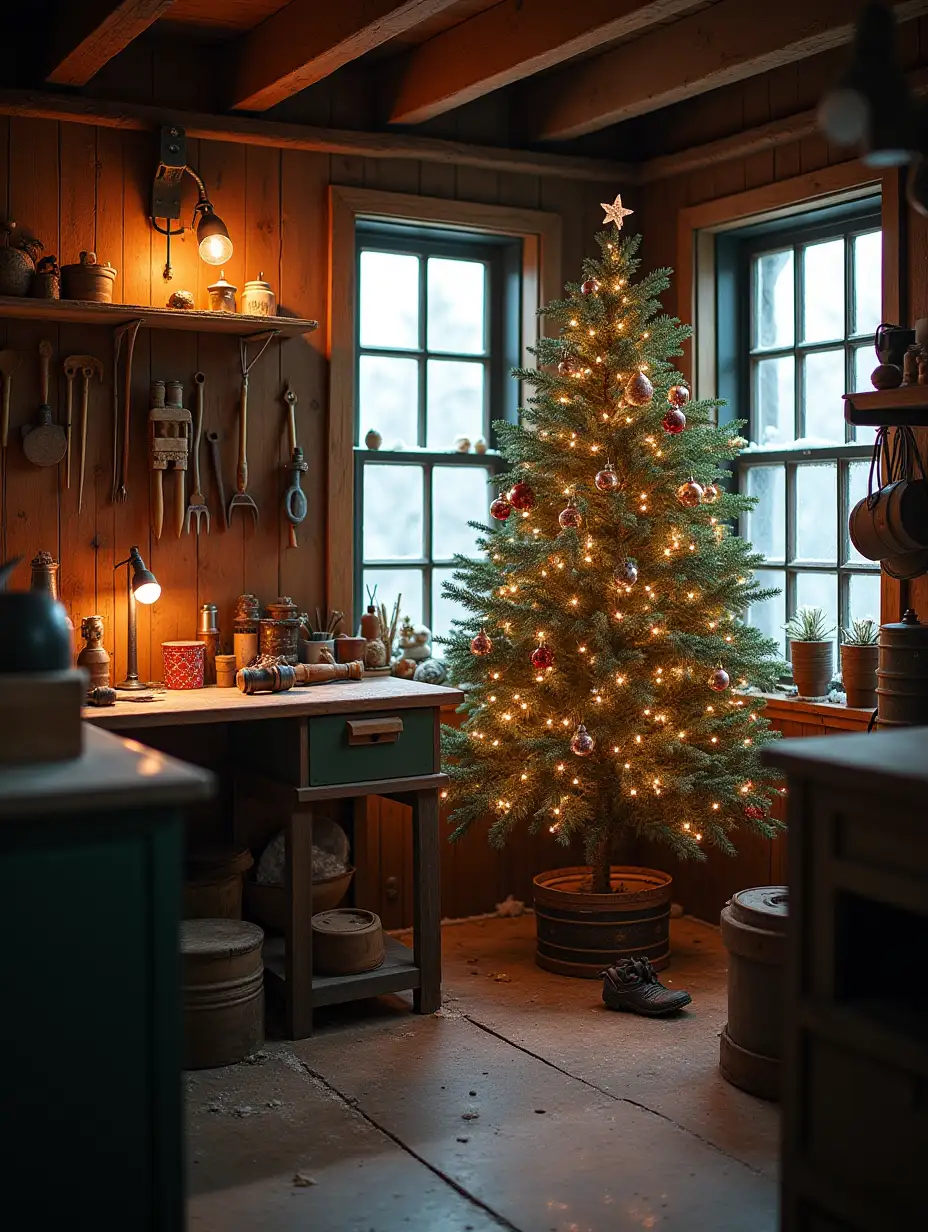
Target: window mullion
x,y
799,281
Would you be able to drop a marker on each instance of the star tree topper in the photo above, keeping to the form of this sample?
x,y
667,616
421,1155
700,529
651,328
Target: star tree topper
x,y
616,212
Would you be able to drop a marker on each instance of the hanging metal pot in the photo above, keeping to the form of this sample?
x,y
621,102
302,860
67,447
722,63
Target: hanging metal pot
x,y
893,522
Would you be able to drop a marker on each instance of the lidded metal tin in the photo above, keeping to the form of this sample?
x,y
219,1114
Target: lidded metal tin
x,y
221,295
902,692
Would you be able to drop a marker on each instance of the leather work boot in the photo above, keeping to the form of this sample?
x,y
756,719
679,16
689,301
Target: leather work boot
x,y
633,985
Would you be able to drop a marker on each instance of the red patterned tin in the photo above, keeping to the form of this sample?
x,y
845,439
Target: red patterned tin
x,y
183,664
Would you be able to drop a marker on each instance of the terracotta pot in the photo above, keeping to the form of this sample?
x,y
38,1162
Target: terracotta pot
x,y
580,933
858,671
813,667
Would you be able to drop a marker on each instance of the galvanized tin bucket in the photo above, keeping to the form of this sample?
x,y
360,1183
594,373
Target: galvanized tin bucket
x,y
902,692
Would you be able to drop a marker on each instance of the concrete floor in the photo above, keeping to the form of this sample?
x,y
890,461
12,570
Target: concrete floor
x,y
522,1104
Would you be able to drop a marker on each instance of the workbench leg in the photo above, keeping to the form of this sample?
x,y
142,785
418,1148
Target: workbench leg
x,y
298,879
426,879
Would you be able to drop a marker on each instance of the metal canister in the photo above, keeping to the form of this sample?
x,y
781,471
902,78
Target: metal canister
x,y
221,294
280,639
283,608
902,691
208,634
44,573
258,300
246,614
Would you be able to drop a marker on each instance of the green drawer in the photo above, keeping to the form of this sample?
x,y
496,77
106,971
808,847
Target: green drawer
x,y
348,748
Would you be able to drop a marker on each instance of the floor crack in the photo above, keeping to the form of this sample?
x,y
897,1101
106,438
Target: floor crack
x,y
619,1099
355,1106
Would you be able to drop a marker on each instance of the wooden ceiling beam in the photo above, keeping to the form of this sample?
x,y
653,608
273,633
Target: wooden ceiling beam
x,y
513,40
714,47
308,40
86,34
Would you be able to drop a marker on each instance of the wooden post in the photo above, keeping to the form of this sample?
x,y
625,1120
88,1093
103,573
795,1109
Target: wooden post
x,y
426,901
298,880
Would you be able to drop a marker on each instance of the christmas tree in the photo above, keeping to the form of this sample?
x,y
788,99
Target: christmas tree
x,y
605,650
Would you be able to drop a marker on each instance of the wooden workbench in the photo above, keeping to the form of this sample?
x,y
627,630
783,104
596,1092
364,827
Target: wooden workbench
x,y
294,750
90,870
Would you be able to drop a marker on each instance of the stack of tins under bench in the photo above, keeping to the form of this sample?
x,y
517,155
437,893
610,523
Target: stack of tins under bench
x,y
294,750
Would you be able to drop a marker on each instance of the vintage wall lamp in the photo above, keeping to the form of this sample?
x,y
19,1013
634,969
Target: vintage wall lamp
x,y
212,233
144,587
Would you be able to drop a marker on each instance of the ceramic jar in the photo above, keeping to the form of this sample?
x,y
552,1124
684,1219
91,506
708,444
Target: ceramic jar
x,y
184,664
46,284
17,260
222,295
88,280
258,300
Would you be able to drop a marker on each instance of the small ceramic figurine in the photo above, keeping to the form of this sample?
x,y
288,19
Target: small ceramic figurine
x,y
373,440
415,641
462,444
910,366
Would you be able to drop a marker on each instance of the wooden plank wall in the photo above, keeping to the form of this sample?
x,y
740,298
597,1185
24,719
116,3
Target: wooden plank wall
x,y
79,187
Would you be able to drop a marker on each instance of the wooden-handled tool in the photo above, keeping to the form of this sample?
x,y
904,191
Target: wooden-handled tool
x,y
212,439
240,498
88,366
44,443
169,423
294,498
9,362
121,463
197,507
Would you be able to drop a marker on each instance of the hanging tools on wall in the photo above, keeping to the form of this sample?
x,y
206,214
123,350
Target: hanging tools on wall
x,y
9,362
294,497
240,498
197,507
170,445
121,461
88,366
212,439
44,443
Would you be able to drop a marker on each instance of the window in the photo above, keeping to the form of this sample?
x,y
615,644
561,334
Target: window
x,y
798,305
437,332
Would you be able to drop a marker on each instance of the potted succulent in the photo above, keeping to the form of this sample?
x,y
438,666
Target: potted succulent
x,y
811,651
860,653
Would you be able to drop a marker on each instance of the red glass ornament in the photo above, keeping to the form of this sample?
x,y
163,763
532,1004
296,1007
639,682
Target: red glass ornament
x,y
543,657
481,645
570,517
710,494
590,287
606,479
500,509
521,497
674,421
689,494
678,396
639,391
626,573
582,743
719,680
754,812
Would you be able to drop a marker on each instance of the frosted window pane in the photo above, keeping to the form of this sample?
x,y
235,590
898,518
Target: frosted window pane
x,y
457,306
388,397
770,617
868,278
459,494
858,473
819,590
455,401
863,597
823,291
774,402
773,300
443,610
393,497
816,512
393,582
389,300
823,393
864,362
765,526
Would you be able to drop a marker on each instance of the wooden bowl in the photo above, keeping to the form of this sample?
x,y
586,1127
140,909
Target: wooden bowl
x,y
347,941
267,904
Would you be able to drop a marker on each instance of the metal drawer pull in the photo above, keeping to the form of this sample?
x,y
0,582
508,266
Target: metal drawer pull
x,y
374,731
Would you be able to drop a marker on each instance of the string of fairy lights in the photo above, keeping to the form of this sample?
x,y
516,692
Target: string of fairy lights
x,y
642,608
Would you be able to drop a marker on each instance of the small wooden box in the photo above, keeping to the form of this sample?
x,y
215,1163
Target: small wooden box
x,y
40,716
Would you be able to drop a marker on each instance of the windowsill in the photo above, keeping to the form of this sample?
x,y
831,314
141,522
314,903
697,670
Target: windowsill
x,y
820,714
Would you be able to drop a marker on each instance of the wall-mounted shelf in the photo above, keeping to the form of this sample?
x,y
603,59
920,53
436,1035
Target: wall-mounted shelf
x,y
83,312
905,407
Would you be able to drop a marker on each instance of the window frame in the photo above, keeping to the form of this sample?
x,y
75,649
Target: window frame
x,y
736,252
502,256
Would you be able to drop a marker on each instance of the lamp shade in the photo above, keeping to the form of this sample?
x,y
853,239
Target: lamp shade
x,y
145,586
213,238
